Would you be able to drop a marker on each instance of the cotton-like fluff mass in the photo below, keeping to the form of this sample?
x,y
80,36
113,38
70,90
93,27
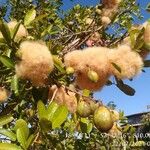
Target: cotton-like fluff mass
x,y
36,62
127,60
93,58
73,58
106,20
22,32
3,94
110,3
64,97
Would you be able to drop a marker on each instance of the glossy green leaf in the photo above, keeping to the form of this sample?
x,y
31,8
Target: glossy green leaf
x,y
15,30
8,146
7,61
5,31
14,85
59,116
21,138
41,110
51,110
5,119
23,126
30,140
29,17
8,134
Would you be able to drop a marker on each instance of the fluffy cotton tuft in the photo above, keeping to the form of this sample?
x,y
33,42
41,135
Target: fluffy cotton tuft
x,y
110,3
129,62
36,62
73,58
106,20
65,97
94,58
3,94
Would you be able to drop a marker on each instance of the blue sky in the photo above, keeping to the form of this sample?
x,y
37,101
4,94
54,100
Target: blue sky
x,y
141,83
133,104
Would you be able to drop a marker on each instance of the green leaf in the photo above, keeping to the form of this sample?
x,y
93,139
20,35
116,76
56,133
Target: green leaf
x,y
41,110
85,125
7,61
126,89
14,85
147,63
59,116
21,138
58,64
5,31
8,134
23,126
8,146
45,124
116,67
15,30
29,17
40,17
5,119
51,110
30,140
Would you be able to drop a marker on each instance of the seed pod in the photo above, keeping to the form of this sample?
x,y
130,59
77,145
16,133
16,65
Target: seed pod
x,y
83,108
93,76
103,119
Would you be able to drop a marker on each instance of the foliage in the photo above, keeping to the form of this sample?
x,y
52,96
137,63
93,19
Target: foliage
x,y
32,117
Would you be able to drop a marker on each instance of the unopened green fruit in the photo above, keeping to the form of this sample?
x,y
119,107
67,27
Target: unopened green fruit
x,y
83,109
103,119
93,76
69,70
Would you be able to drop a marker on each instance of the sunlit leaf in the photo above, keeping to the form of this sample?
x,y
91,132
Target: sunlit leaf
x,y
6,61
14,85
23,126
59,116
41,110
15,30
5,31
8,146
21,138
30,140
8,134
30,16
51,110
5,119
